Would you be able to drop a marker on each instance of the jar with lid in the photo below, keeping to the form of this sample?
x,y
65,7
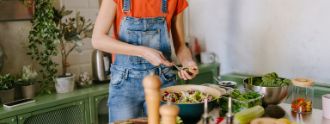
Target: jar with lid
x,y
302,95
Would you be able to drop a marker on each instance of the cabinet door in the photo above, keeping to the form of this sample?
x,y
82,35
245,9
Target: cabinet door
x,y
71,113
11,120
100,111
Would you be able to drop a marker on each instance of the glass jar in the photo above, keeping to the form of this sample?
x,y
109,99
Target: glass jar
x,y
302,95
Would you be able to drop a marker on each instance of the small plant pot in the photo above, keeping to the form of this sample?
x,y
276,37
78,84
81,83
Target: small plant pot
x,y
7,95
65,84
28,91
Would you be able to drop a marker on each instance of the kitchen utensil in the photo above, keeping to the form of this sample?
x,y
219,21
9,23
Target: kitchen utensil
x,y
229,114
205,117
302,95
151,86
183,68
169,113
272,95
101,65
326,106
230,84
191,112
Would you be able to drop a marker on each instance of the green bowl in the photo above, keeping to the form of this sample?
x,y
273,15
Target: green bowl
x,y
192,112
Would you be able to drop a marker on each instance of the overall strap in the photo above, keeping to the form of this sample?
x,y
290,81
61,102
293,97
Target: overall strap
x,y
126,6
164,6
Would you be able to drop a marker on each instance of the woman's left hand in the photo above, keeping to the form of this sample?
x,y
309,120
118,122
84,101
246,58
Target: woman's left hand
x,y
190,72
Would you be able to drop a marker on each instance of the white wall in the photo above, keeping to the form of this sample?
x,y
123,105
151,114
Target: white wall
x,y
291,37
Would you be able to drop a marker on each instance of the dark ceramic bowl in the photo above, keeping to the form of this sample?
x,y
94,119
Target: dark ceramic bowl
x,y
192,112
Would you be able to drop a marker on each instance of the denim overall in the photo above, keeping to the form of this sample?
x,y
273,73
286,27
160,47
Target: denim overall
x,y
126,92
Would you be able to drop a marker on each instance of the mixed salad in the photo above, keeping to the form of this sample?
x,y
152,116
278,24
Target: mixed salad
x,y
190,96
269,80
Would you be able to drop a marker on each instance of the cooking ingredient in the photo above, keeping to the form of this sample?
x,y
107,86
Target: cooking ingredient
x,y
190,96
270,121
236,94
305,104
274,111
241,100
264,121
179,120
269,80
247,115
283,121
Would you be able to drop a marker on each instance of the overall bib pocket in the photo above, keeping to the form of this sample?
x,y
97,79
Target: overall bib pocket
x,y
150,38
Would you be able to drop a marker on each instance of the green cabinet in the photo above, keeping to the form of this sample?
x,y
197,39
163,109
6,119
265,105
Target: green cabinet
x,y
79,107
10,120
71,113
100,111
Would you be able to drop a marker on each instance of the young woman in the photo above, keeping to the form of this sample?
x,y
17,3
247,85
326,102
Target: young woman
x,y
141,45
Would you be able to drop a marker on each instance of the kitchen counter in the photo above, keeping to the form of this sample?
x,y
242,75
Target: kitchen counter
x,y
311,118
315,117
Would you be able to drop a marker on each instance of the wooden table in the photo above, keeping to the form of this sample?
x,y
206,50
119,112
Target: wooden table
x,y
316,117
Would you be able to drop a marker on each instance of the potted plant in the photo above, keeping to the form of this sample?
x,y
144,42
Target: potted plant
x,y
27,81
42,42
7,91
72,30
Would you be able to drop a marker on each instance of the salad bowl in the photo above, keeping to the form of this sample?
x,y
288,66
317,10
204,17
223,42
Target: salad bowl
x,y
191,112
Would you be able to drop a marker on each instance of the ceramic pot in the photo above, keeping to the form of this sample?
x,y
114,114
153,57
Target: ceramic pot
x,y
7,95
65,84
28,91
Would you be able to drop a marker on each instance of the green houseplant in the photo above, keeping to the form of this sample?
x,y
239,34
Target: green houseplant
x,y
27,81
72,30
7,84
42,42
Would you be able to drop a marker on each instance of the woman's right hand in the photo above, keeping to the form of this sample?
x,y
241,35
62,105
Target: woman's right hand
x,y
154,56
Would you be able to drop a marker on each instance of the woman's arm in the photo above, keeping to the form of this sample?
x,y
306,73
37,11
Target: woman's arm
x,y
101,40
181,49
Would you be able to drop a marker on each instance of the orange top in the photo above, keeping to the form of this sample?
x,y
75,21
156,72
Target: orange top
x,y
147,9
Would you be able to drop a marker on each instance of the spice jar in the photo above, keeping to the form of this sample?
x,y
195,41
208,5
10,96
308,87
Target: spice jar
x,y
302,95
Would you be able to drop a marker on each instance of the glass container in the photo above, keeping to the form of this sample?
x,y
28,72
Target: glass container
x,y
302,95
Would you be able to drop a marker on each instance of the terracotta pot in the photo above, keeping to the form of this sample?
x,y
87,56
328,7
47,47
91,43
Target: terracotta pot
x,y
28,91
7,95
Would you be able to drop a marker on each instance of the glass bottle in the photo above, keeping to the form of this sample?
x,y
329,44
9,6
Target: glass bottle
x,y
302,95
205,117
